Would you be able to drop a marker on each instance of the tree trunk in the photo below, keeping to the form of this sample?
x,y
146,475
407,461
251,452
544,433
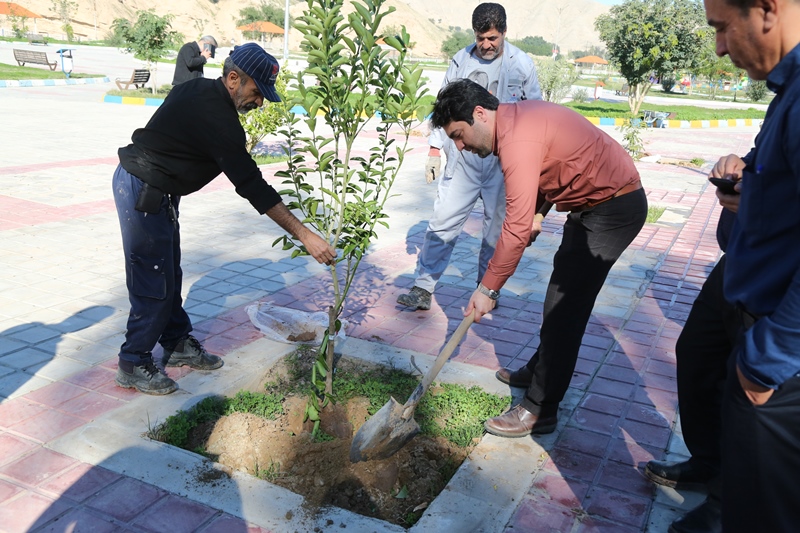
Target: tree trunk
x,y
329,353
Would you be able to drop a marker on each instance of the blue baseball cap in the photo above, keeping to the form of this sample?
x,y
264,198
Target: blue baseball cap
x,y
259,65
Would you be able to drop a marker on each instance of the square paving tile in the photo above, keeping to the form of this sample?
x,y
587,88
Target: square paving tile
x,y
37,467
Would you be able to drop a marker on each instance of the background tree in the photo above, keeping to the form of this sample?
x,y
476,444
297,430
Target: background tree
x,y
714,69
651,37
264,11
556,77
63,9
19,25
533,45
456,41
148,38
342,195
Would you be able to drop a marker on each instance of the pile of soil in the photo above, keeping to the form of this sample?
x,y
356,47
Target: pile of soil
x,y
283,452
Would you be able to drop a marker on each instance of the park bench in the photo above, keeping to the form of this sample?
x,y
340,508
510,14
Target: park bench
x,y
139,77
34,38
33,56
623,91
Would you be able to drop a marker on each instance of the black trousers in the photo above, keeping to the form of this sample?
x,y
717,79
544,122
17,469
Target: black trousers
x,y
760,459
702,353
593,241
152,247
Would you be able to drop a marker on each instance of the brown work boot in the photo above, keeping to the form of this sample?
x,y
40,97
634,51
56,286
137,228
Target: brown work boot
x,y
519,422
516,378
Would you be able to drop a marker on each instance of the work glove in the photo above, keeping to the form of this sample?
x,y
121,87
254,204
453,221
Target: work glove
x,y
433,166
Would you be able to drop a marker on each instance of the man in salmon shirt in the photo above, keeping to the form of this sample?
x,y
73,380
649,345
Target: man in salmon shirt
x,y
548,153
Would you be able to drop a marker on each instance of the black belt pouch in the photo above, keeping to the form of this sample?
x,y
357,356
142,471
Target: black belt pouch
x,y
149,200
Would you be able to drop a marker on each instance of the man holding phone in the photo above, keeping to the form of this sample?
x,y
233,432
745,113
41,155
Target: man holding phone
x,y
191,58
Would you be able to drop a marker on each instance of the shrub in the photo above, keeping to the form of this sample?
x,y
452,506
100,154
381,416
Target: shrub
x,y
667,84
580,95
632,138
756,90
555,78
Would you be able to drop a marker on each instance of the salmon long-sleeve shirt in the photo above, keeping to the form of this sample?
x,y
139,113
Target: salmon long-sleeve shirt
x,y
549,152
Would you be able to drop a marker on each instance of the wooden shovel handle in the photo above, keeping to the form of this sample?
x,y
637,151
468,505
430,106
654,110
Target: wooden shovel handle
x,y
444,355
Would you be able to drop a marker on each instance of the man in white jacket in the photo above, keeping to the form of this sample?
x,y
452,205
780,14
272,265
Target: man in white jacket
x,y
509,74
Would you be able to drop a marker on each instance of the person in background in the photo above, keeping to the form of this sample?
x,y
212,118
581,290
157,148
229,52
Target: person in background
x,y
509,74
191,58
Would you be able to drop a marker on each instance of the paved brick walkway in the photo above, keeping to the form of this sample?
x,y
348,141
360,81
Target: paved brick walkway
x,y
63,308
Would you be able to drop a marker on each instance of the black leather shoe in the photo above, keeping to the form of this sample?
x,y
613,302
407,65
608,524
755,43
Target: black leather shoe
x,y
519,422
680,475
705,518
516,378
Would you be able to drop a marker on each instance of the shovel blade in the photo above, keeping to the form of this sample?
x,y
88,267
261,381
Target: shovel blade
x,y
384,434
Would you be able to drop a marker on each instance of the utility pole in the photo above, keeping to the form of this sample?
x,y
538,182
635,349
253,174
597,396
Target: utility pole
x,y
556,46
286,33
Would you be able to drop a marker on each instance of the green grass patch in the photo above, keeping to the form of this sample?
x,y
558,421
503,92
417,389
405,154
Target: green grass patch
x,y
654,212
599,108
175,429
699,161
144,92
16,72
269,159
453,412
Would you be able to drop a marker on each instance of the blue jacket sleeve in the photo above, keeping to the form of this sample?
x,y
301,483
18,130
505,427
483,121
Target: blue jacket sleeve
x,y
769,354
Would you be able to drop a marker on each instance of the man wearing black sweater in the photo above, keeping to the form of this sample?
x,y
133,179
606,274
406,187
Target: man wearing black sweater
x,y
191,58
193,137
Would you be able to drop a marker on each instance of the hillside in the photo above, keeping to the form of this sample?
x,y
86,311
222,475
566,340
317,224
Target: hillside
x,y
427,23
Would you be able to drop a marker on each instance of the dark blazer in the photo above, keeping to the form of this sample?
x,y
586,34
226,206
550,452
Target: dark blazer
x,y
189,64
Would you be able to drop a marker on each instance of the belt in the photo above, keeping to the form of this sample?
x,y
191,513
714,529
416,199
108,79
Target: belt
x,y
635,186
746,318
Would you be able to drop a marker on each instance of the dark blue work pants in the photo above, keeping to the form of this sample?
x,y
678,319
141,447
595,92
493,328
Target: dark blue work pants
x,y
152,247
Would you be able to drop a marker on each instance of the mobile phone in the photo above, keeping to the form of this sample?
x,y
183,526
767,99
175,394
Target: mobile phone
x,y
725,185
210,47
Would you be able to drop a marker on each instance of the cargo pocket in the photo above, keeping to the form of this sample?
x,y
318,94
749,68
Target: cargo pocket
x,y
147,277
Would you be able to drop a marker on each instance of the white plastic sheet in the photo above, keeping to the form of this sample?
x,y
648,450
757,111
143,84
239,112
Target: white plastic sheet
x,y
291,326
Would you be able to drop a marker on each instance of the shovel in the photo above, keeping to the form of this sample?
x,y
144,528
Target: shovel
x,y
393,426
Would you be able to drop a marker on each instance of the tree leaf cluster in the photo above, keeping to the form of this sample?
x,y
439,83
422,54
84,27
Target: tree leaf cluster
x,y
555,78
357,81
457,40
533,45
149,37
647,38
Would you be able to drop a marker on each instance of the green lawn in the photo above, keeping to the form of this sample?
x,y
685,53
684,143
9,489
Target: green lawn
x,y
15,72
682,112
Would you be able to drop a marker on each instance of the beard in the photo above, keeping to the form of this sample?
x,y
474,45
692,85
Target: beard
x,y
246,108
238,100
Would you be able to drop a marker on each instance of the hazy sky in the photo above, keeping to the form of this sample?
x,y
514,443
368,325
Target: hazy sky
x,y
609,2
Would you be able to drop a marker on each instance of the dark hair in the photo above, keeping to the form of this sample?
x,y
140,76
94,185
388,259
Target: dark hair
x,y
229,66
489,15
457,100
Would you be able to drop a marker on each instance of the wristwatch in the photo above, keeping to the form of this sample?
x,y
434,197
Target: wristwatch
x,y
494,295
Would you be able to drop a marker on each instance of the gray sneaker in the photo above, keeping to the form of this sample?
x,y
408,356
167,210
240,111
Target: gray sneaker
x,y
190,352
146,378
417,298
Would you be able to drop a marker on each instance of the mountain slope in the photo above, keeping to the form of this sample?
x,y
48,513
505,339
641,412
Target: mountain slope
x,y
569,22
